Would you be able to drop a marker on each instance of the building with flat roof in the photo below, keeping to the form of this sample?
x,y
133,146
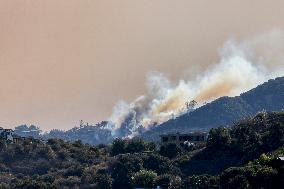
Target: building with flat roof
x,y
181,139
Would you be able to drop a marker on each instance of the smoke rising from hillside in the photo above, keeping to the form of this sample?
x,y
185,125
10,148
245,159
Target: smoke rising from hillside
x,y
242,66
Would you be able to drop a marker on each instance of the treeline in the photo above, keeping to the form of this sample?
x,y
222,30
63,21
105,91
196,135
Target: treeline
x,y
243,156
91,134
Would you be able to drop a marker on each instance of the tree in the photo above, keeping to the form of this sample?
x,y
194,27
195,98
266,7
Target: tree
x,y
219,137
123,168
170,150
275,137
144,179
151,146
135,145
103,181
158,164
190,105
203,182
238,182
167,181
118,147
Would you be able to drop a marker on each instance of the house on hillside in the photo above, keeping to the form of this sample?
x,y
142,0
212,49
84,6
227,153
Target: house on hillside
x,y
8,135
182,139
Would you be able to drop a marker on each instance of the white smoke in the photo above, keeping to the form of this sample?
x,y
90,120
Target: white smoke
x,y
242,66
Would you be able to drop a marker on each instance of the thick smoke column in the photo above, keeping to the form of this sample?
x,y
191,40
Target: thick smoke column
x,y
242,66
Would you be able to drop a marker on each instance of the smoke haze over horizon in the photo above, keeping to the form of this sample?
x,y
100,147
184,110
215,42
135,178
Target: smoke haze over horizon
x,y
64,61
242,66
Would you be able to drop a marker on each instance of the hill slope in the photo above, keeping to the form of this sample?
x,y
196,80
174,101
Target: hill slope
x,y
224,111
246,155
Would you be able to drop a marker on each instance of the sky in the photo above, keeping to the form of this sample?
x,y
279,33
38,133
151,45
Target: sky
x,y
62,61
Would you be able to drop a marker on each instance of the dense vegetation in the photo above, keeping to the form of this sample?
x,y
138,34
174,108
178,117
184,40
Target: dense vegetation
x,y
242,156
268,96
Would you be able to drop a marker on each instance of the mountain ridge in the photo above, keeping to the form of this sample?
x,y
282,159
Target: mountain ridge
x,y
223,111
268,96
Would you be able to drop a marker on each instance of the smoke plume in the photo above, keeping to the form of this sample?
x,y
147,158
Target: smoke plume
x,y
242,66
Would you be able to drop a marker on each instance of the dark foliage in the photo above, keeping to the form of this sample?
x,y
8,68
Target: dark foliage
x,y
242,156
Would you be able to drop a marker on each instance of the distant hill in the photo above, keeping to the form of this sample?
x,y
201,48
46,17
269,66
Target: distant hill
x,y
268,96
92,134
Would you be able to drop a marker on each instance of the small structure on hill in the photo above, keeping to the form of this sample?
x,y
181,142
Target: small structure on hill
x,y
182,139
8,135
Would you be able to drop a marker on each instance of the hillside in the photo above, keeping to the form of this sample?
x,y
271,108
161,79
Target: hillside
x,y
246,155
268,96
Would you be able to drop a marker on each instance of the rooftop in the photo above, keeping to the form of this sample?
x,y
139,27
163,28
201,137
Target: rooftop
x,y
185,134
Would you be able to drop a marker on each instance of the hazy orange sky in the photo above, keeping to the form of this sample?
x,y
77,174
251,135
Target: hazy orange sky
x,y
66,60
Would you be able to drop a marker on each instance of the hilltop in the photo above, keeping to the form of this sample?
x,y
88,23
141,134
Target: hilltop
x,y
224,111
